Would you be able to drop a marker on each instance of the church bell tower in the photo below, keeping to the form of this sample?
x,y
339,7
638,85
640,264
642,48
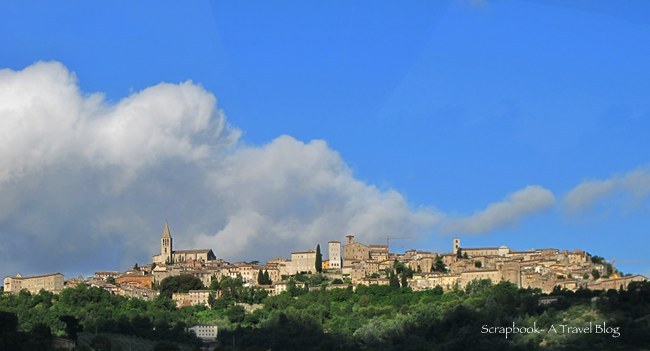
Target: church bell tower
x,y
166,245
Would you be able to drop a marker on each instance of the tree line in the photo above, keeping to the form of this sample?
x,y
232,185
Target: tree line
x,y
389,317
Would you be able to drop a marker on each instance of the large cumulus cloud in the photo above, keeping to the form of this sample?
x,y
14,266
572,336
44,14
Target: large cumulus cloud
x,y
88,183
294,194
81,179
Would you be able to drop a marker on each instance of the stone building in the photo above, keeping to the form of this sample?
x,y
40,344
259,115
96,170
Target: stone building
x,y
136,292
468,276
334,248
191,298
303,261
355,251
424,281
616,283
137,280
205,332
355,271
479,251
49,282
378,252
169,256
106,275
512,273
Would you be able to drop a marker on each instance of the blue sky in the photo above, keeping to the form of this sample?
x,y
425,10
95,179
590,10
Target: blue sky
x,y
522,123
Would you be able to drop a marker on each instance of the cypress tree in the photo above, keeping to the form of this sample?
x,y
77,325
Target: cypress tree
x,y
393,280
319,259
260,277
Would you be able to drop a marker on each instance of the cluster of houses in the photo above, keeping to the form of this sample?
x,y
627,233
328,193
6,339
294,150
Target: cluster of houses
x,y
350,264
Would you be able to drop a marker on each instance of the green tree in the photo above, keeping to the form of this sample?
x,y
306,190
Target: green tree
x,y
597,260
295,290
595,273
398,266
231,287
439,265
214,284
408,271
72,326
316,279
236,314
393,281
211,300
181,283
263,278
319,259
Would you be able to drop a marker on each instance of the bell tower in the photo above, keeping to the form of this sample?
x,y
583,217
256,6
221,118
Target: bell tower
x,y
455,245
166,245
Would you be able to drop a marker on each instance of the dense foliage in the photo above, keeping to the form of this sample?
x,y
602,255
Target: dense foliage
x,y
370,318
91,309
180,284
389,318
263,278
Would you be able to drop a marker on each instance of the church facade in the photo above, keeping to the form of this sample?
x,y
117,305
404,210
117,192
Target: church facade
x,y
170,256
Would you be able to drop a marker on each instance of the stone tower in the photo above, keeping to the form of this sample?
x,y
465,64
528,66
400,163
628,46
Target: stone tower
x,y
456,245
334,248
166,245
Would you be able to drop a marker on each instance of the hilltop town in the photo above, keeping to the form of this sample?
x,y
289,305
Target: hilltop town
x,y
349,264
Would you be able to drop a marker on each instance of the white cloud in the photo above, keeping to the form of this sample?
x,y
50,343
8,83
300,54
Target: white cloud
x,y
586,193
512,209
46,120
634,186
88,183
292,195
